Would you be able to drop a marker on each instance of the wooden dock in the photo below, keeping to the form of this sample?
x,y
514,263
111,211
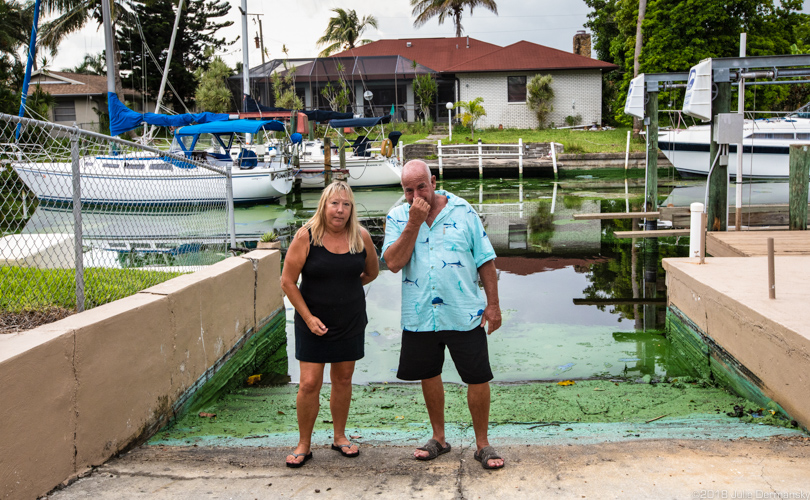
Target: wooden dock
x,y
754,243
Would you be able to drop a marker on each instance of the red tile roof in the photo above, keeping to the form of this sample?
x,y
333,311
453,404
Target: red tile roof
x,y
452,55
436,53
529,56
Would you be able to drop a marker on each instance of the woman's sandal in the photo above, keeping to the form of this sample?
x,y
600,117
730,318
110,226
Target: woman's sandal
x,y
339,447
434,449
295,465
485,454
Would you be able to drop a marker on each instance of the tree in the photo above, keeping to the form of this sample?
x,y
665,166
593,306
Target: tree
x,y
425,10
284,86
540,96
473,110
91,65
425,89
15,29
195,42
213,94
679,34
344,30
338,95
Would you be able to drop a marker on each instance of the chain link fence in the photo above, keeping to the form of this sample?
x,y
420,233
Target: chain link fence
x,y
87,219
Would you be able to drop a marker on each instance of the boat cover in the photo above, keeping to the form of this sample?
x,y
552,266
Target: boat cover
x,y
123,119
360,122
231,126
315,115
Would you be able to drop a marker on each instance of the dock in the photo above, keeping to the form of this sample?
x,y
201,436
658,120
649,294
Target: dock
x,y
753,243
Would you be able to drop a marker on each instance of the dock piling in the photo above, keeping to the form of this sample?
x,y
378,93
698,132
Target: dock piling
x,y
717,206
439,152
771,277
798,182
553,159
327,161
696,216
480,161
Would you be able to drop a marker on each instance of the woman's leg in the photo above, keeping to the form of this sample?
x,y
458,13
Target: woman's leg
x,y
341,398
307,405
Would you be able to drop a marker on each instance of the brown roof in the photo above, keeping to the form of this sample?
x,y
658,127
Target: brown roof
x,y
529,56
452,55
88,84
438,54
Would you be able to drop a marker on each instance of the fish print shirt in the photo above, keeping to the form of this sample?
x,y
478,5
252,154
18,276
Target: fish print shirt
x,y
440,283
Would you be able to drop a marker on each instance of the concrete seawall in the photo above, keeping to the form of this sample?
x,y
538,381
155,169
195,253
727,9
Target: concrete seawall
x,y
81,390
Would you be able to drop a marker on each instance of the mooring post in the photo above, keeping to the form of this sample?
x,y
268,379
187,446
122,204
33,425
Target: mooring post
x,y
771,277
651,194
439,152
798,182
553,159
695,227
327,161
520,158
293,122
717,206
480,161
342,153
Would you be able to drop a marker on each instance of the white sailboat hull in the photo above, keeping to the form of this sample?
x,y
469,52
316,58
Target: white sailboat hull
x,y
362,172
148,180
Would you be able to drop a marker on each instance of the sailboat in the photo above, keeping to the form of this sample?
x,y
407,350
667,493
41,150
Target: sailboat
x,y
148,178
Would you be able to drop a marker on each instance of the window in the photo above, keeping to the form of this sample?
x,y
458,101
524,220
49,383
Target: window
x,y
64,111
516,88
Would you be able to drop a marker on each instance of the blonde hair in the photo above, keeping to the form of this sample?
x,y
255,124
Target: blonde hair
x,y
317,224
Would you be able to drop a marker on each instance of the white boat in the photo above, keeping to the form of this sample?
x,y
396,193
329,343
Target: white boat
x,y
370,159
765,147
146,178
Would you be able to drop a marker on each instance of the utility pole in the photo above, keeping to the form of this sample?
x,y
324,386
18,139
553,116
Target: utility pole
x,y
260,46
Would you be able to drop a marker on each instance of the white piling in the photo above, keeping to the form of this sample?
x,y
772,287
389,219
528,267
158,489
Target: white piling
x,y
627,152
554,198
520,157
441,168
480,161
554,159
695,209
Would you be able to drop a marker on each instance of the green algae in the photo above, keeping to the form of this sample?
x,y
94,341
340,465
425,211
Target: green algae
x,y
396,411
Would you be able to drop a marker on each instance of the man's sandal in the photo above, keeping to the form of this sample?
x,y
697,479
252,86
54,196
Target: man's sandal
x,y
434,449
485,454
339,447
295,465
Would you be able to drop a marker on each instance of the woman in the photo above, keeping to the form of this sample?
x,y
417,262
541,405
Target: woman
x,y
335,257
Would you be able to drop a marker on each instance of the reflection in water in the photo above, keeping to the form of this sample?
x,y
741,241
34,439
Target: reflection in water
x,y
577,303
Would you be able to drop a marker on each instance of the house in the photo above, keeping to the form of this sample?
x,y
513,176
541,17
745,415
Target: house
x,y
78,96
465,68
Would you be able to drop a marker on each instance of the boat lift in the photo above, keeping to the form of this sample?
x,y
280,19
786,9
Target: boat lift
x,y
642,102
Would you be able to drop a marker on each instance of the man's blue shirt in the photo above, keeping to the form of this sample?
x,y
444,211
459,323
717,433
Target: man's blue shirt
x,y
440,283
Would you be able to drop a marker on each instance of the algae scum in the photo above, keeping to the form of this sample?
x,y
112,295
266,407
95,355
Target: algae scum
x,y
583,312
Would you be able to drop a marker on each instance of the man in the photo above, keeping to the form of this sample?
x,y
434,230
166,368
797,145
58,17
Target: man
x,y
440,244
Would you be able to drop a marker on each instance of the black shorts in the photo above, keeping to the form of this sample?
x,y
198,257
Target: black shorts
x,y
422,355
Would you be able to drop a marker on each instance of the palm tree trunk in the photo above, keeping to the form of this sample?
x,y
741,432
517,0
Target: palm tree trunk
x,y
457,20
642,9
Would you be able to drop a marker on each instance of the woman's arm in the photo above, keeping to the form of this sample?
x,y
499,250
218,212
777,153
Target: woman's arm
x,y
372,269
293,264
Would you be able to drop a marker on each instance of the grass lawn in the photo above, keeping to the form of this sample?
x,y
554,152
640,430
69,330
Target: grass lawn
x,y
575,141
28,289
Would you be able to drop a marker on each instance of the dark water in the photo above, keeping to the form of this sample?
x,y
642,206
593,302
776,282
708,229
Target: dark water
x,y
576,302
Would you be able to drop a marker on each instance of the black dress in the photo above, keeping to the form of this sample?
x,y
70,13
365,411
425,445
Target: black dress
x,y
333,291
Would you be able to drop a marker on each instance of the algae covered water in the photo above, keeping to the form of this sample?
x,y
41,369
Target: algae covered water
x,y
576,302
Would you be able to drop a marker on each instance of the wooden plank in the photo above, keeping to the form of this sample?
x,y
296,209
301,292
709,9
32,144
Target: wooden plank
x,y
661,233
618,215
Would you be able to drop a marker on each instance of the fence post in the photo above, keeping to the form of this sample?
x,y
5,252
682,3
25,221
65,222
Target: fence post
x,y
480,161
229,196
77,220
441,168
520,158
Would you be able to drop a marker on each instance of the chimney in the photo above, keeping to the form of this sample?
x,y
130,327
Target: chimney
x,y
582,44
468,41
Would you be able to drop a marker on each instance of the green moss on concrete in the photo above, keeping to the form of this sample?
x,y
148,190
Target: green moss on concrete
x,y
264,351
709,360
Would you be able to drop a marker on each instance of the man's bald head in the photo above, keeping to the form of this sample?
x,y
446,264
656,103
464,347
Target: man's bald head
x,y
417,169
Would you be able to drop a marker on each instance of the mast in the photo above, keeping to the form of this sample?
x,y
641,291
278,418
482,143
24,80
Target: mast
x,y
245,65
166,66
32,51
108,49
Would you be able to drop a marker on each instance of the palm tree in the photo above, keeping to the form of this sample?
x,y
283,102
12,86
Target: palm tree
x,y
15,27
473,110
425,10
74,15
91,65
343,31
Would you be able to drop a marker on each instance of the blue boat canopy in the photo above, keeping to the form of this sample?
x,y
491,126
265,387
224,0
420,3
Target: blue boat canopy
x,y
123,119
360,122
231,126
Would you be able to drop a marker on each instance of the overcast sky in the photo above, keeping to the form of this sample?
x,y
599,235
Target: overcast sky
x,y
298,25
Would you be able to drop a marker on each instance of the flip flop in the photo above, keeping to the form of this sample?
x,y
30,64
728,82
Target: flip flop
x,y
485,454
434,449
295,465
339,447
